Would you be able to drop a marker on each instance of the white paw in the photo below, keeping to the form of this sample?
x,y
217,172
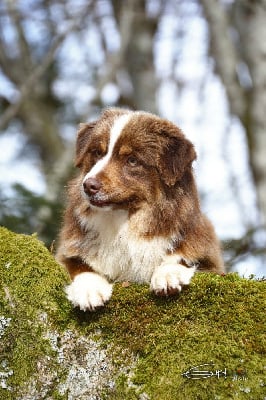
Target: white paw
x,y
89,291
168,279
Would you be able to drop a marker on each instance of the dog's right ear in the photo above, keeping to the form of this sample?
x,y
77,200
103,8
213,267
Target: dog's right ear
x,y
82,138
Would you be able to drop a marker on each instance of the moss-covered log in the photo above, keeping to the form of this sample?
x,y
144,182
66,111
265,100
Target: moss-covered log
x,y
137,347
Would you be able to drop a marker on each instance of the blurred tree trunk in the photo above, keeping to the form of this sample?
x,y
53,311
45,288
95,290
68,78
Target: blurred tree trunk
x,y
137,30
33,71
238,47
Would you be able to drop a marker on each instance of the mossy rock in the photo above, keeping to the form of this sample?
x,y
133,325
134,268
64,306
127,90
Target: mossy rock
x,y
137,347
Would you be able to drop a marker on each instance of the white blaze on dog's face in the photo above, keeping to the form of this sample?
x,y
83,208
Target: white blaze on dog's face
x,y
100,197
127,158
115,132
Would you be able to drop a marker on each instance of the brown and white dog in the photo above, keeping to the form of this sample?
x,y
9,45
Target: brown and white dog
x,y
133,212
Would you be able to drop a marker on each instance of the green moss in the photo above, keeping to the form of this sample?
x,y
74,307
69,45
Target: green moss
x,y
218,321
31,286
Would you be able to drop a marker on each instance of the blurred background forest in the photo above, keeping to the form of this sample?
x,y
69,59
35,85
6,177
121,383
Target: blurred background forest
x,y
200,63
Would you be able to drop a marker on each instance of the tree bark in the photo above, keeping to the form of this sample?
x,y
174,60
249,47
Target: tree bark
x,y
247,100
137,30
250,17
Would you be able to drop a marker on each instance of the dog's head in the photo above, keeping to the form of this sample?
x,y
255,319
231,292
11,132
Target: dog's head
x,y
127,158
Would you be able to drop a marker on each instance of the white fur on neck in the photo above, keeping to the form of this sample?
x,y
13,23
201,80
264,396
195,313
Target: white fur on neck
x,y
119,253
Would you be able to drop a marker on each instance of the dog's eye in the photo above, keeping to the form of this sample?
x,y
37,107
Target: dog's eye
x,y
132,161
97,153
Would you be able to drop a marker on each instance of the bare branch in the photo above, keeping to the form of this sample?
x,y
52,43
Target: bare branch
x,y
25,89
23,45
40,69
36,74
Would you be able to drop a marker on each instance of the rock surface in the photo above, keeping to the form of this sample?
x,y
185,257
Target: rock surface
x,y
137,347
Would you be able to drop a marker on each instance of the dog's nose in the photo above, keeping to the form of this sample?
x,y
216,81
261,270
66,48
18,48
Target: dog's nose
x,y
91,186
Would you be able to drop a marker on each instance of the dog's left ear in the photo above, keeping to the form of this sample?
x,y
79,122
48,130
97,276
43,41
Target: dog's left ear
x,y
82,138
177,157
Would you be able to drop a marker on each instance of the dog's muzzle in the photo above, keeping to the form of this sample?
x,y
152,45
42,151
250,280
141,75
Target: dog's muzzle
x,y
92,188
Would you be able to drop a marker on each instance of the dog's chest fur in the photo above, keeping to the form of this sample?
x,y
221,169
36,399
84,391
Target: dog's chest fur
x,y
118,252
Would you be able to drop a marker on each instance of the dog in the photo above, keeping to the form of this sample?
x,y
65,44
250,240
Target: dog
x,y
133,211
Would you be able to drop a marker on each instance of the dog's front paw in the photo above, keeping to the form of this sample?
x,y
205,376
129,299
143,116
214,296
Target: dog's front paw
x,y
89,291
168,279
